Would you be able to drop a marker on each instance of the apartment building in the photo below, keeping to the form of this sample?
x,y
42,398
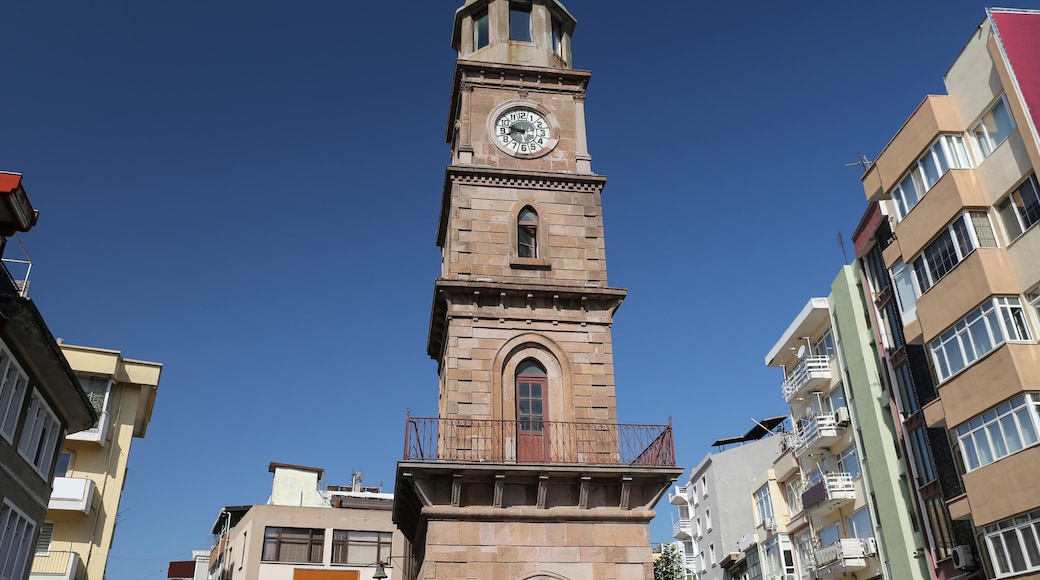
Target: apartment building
x,y
40,399
714,506
90,471
306,533
951,255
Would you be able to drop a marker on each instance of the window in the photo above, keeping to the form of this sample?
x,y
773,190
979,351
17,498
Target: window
x,y
969,231
16,533
848,461
793,490
707,519
947,152
993,128
764,503
557,38
12,393
922,456
711,553
527,233
64,465
939,521
906,290
859,524
704,486
519,22
354,547
908,401
41,435
982,330
754,564
1021,208
43,543
999,432
1014,544
97,390
700,530
830,535
480,30
824,346
1034,299
293,545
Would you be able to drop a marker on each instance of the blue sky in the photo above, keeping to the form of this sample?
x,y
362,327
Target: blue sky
x,y
248,193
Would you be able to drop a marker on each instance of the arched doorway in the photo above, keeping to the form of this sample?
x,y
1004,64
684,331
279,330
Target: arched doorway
x,y
532,436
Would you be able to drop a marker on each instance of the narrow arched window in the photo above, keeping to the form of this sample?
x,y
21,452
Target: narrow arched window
x,y
527,233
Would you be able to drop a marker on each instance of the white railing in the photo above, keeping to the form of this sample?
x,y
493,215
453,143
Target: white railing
x,y
811,367
843,549
840,486
681,526
813,428
681,492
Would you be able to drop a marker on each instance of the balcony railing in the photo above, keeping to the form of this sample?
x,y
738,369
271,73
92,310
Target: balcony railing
x,y
681,529
819,431
812,370
832,490
679,495
55,565
538,442
844,555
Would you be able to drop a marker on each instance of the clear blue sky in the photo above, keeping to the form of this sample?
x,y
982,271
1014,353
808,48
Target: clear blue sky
x,y
248,193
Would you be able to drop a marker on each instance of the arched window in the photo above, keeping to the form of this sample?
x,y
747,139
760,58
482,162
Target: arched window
x,y
531,412
527,233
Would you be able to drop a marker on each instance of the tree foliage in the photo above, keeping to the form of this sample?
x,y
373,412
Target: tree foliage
x,y
669,566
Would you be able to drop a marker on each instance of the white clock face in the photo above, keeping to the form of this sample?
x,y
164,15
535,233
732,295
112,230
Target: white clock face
x,y
522,131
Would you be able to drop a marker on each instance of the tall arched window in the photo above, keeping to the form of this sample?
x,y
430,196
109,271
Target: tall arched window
x,y
527,233
531,397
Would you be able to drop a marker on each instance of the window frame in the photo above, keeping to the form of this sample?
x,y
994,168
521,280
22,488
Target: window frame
x,y
14,384
342,542
984,141
481,25
1017,528
531,228
526,33
764,503
958,240
842,461
927,170
991,317
987,437
1022,218
15,542
315,540
42,435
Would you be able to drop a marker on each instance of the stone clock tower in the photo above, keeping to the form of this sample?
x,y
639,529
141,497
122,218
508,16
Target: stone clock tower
x,y
525,473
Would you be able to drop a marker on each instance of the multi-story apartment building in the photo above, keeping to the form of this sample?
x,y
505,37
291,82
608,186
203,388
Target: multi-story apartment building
x,y
952,257
90,472
40,400
306,533
714,506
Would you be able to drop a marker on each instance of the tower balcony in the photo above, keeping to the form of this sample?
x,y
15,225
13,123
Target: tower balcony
x,y
72,494
831,491
847,555
812,372
679,495
681,529
538,442
820,431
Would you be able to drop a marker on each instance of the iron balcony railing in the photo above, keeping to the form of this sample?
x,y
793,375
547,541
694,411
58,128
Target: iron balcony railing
x,y
538,442
811,367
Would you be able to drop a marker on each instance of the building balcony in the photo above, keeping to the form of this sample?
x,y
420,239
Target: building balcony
x,y
819,431
833,490
55,565
97,434
538,442
812,372
681,529
679,495
847,555
72,494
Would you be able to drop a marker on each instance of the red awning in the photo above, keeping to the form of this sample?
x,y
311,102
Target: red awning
x,y
9,181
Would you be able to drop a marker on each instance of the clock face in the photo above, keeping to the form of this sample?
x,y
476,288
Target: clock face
x,y
523,131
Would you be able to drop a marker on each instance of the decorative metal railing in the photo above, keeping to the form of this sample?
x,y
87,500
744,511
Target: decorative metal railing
x,y
811,367
538,442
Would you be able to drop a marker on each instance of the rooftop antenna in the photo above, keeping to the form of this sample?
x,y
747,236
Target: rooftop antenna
x,y
841,242
863,162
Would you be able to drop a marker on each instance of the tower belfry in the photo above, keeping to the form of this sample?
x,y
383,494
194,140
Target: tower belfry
x,y
525,473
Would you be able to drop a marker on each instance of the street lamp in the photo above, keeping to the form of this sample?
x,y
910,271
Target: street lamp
x,y
380,573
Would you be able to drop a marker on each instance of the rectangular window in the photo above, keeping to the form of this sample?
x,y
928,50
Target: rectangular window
x,y
711,553
922,456
764,503
300,545
995,321
993,128
43,542
707,519
969,231
793,490
830,535
859,524
480,30
824,346
557,38
908,401
1014,544
907,290
520,22
939,520
97,390
848,461
1001,431
16,533
945,153
1034,299
13,383
360,547
704,486
41,435
1021,208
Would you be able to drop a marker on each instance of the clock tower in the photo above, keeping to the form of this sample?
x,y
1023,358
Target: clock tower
x,y
525,473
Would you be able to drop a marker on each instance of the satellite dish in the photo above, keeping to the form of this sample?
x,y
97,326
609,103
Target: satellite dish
x,y
801,352
359,476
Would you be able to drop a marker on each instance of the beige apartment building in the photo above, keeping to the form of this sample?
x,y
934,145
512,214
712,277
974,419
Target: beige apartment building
x,y
955,228
525,473
91,469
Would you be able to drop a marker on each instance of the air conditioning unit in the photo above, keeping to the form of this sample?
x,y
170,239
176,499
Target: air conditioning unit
x,y
870,547
962,558
842,415
769,524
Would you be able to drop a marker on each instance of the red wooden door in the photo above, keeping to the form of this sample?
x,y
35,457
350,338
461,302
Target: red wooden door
x,y
532,438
